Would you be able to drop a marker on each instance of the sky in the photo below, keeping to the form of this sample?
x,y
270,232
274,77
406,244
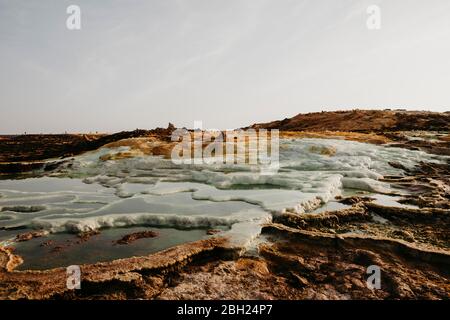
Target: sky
x,y
228,63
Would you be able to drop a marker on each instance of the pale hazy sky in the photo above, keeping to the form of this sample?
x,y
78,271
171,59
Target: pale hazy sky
x,y
230,63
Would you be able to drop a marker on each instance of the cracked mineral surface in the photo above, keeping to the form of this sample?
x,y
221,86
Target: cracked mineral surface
x,y
340,203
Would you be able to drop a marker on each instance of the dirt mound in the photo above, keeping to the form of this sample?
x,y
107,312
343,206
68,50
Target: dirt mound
x,y
363,121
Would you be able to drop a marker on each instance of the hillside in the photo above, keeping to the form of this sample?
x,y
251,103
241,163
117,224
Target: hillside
x,y
363,121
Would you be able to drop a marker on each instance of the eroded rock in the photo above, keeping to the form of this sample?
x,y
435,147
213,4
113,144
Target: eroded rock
x,y
31,235
129,238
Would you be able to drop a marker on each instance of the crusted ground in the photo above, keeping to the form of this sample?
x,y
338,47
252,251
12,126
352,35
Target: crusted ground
x,y
310,256
28,152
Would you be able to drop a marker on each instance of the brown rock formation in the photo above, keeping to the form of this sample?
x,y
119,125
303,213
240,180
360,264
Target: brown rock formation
x,y
129,238
363,121
23,153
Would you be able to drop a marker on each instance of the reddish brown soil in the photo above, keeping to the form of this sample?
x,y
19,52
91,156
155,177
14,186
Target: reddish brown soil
x,y
363,121
24,153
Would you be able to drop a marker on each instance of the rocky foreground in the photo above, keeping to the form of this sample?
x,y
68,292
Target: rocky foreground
x,y
300,257
308,256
